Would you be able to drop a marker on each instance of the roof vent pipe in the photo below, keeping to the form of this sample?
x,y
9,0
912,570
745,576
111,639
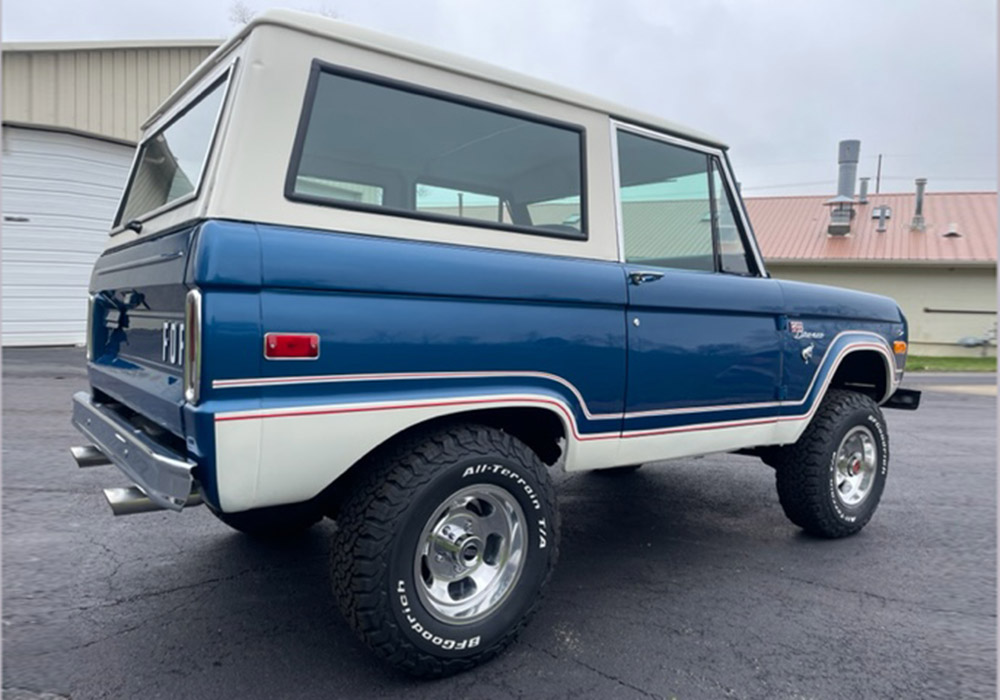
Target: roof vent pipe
x,y
847,157
843,204
918,213
863,195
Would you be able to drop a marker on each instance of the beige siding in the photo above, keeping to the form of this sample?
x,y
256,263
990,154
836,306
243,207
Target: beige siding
x,y
107,91
916,289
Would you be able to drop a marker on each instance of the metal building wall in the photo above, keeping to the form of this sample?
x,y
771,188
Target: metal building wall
x,y
950,293
100,88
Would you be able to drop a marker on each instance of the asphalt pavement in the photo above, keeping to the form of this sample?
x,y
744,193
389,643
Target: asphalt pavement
x,y
682,580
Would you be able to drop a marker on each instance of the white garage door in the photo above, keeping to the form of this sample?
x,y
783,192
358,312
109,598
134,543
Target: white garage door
x,y
60,192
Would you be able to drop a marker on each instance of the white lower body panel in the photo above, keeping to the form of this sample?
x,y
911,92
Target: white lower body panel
x,y
291,455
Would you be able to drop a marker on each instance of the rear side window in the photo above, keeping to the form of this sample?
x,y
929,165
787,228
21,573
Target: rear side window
x,y
170,162
434,156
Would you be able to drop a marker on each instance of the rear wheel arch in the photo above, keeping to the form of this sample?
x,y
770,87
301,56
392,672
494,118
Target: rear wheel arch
x,y
543,430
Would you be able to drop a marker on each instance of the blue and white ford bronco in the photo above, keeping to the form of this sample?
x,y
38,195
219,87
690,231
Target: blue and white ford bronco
x,y
357,278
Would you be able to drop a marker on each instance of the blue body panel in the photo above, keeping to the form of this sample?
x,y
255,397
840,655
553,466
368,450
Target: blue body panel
x,y
384,306
826,313
143,286
703,339
459,321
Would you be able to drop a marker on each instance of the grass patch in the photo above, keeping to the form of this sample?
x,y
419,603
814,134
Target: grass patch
x,y
922,363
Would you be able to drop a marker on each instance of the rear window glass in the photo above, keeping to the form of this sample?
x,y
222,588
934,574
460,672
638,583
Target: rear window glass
x,y
461,203
437,156
171,161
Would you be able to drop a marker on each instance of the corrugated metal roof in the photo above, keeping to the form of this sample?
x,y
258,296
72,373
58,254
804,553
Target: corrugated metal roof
x,y
794,228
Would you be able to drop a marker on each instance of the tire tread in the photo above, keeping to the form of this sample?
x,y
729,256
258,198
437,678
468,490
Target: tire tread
x,y
366,524
801,469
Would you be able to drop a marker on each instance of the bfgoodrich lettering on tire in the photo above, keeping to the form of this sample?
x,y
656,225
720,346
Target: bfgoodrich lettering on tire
x,y
831,480
442,551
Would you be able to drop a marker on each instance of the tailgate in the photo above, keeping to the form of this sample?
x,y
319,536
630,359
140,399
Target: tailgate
x,y
137,326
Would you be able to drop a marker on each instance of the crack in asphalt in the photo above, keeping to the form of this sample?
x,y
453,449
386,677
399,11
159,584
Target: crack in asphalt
x,y
599,672
10,693
212,584
890,599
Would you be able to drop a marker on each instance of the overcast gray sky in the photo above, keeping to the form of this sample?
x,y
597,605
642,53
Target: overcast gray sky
x,y
781,81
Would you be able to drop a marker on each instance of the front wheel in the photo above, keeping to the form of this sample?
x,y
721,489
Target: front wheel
x,y
831,480
441,553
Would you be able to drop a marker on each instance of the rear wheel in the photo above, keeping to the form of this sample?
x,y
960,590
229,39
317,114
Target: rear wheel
x,y
276,522
831,480
442,551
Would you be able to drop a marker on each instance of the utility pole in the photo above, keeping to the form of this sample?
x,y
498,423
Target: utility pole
x,y
878,175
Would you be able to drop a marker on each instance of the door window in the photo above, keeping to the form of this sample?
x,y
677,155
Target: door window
x,y
666,204
732,251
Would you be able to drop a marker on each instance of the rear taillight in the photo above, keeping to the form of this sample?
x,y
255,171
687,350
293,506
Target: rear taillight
x,y
90,327
291,346
192,346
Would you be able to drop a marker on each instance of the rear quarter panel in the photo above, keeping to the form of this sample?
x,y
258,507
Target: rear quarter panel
x,y
408,331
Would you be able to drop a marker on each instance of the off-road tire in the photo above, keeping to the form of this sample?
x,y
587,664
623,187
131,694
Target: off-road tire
x,y
379,529
804,471
276,522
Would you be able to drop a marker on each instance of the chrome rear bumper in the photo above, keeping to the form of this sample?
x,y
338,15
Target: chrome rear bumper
x,y
160,473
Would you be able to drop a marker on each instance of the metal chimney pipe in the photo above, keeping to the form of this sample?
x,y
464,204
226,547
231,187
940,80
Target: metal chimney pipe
x,y
918,212
848,154
863,195
881,219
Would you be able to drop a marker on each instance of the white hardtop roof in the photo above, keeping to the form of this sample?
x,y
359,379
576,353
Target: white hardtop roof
x,y
384,43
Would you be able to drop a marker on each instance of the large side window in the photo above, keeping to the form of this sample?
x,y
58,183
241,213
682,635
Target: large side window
x,y
366,143
666,204
171,161
733,256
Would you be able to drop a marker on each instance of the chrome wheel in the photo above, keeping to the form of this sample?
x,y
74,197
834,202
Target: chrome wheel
x,y
856,464
470,554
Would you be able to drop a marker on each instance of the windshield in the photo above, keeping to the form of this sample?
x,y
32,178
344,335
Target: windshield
x,y
170,162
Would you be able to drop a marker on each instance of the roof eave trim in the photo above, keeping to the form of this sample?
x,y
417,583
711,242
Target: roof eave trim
x,y
56,128
869,262
43,46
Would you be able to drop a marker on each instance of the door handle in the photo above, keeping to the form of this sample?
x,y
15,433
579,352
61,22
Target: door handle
x,y
641,276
